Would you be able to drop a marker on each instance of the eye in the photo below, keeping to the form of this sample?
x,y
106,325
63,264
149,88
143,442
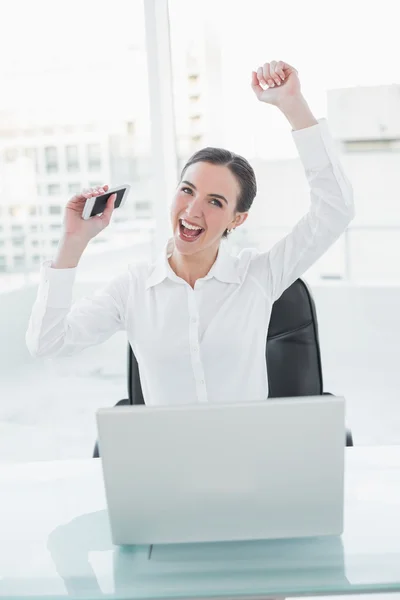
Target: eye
x,y
218,202
186,188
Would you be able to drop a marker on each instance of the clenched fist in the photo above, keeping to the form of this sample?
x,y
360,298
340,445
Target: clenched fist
x,y
275,82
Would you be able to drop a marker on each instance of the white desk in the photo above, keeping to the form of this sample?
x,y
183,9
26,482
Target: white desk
x,y
55,542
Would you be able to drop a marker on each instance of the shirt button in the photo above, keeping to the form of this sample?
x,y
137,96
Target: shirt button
x,y
201,381
195,348
193,320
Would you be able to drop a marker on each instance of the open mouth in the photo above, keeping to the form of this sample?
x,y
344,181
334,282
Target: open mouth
x,y
189,233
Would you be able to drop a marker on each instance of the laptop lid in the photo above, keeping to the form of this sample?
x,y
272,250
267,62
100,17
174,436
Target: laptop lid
x,y
272,469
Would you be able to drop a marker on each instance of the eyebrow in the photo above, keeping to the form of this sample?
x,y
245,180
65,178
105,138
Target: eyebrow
x,y
213,195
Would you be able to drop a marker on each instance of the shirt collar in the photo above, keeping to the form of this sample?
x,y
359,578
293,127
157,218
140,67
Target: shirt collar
x,y
225,268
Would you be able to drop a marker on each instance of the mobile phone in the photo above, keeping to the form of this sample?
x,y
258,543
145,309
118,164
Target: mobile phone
x,y
97,204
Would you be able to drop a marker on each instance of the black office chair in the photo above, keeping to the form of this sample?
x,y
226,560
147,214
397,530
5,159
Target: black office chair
x,y
292,353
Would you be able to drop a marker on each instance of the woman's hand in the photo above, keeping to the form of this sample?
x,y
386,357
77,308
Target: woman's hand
x,y
74,225
276,83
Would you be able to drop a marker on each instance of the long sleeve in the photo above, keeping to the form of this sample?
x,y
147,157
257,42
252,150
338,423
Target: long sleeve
x,y
58,327
331,210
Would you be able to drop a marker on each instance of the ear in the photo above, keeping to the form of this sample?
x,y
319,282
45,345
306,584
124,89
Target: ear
x,y
239,219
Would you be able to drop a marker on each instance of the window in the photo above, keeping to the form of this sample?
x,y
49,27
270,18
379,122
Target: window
x,y
33,155
72,158
51,159
17,242
10,154
55,210
14,210
130,128
94,157
19,260
78,122
143,206
17,228
74,188
54,189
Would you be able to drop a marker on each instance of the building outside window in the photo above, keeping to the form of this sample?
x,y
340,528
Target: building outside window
x,y
72,158
51,159
33,155
54,189
55,210
74,188
94,157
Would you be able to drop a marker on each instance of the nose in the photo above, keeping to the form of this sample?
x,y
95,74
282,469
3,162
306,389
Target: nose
x,y
193,208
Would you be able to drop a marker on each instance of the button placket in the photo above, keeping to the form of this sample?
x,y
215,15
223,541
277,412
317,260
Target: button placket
x,y
194,348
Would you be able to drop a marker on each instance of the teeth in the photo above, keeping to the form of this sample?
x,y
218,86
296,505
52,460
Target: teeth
x,y
188,226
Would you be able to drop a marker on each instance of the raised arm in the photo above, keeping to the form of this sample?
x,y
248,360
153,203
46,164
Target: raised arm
x,y
331,194
56,325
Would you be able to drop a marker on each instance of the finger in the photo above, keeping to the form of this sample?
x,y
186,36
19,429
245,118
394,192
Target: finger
x,y
286,65
267,75
260,76
255,84
279,69
80,197
274,74
88,192
287,69
97,191
106,216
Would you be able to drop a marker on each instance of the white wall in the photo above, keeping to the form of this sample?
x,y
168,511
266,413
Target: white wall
x,y
365,112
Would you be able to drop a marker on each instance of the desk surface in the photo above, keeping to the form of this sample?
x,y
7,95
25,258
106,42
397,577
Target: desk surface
x,y
55,542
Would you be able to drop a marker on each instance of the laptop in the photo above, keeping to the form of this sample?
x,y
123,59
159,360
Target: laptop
x,y
205,473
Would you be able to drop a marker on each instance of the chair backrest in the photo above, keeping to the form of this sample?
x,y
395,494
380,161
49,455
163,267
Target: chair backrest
x,y
292,352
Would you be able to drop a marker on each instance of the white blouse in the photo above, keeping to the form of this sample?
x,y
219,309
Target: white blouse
x,y
205,344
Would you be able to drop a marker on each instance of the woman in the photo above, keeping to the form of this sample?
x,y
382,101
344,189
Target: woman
x,y
197,319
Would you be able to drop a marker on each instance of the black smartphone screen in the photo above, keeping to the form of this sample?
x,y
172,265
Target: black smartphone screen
x,y
101,201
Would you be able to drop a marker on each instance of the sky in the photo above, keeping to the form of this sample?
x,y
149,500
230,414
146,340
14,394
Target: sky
x,y
332,44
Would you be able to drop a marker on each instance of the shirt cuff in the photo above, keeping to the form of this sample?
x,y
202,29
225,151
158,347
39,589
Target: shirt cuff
x,y
55,285
315,145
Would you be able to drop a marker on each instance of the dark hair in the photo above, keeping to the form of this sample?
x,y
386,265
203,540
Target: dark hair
x,y
240,168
